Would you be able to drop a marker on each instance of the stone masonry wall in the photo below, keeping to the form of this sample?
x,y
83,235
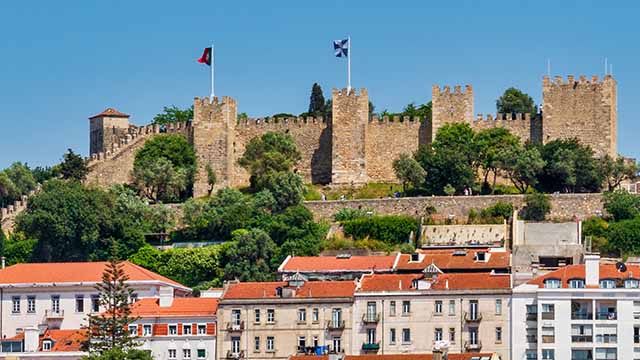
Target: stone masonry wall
x,y
450,107
521,125
563,206
583,109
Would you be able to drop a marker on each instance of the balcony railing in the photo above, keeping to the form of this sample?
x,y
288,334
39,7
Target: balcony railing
x,y
335,325
235,355
369,318
473,346
235,326
472,316
51,314
549,315
606,315
581,316
581,338
532,339
371,346
532,316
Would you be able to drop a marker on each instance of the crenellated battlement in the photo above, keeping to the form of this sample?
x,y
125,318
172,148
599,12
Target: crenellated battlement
x,y
9,212
352,92
396,119
446,90
505,117
281,121
572,81
206,101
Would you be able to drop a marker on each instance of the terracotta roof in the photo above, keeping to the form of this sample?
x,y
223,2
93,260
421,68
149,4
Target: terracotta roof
x,y
566,273
180,307
73,272
445,260
460,281
111,112
464,356
63,340
310,289
335,264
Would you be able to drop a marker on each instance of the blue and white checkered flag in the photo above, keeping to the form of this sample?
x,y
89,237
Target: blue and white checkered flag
x,y
341,47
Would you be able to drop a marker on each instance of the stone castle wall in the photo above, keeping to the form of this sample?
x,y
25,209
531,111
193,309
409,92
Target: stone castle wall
x,y
348,136
524,126
450,107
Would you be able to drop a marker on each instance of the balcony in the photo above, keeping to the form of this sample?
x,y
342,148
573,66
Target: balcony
x,y
308,350
532,339
472,316
333,325
581,315
532,316
235,355
606,315
235,326
471,346
548,339
581,338
607,338
50,314
372,347
370,318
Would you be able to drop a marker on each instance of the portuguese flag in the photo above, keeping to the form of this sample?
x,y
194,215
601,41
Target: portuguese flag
x,y
206,57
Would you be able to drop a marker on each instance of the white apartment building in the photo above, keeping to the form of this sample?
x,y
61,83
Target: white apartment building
x,y
579,312
62,295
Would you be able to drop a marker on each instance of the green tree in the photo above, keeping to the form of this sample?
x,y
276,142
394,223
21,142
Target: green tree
x,y
272,152
521,164
514,101
598,229
44,173
287,188
22,177
569,167
621,205
173,114
8,191
173,147
537,206
140,215
422,111
73,166
491,143
118,354
623,236
614,171
249,257
316,101
108,331
408,171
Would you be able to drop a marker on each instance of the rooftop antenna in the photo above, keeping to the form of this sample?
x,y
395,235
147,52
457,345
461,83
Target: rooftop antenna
x,y
548,67
611,69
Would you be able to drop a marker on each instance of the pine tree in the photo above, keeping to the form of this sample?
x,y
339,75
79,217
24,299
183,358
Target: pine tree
x,y
109,330
316,102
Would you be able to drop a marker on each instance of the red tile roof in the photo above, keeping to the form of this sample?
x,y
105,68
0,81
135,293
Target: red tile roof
x,y
445,260
336,264
74,272
460,281
310,289
607,271
465,356
63,340
111,112
180,307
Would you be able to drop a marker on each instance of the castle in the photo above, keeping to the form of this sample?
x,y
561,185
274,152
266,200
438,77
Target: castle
x,y
353,147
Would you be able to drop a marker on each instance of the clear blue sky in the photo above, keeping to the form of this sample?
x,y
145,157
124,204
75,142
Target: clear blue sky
x,y
63,61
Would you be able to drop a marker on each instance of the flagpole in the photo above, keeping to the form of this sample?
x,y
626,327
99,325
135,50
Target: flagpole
x,y
349,65
212,66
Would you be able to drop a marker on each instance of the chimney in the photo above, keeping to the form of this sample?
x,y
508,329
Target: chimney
x,y
592,269
166,296
31,339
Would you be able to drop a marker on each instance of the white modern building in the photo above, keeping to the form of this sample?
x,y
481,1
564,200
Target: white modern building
x,y
578,312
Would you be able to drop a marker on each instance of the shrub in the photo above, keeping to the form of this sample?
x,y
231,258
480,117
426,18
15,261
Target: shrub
x,y
537,207
621,205
346,214
390,229
499,209
623,236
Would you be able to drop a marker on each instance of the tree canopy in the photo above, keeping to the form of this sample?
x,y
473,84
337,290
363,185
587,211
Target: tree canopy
x,y
270,153
514,101
73,167
173,114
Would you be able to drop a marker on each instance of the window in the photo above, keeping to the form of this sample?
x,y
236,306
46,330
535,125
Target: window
x,y
315,315
531,355
606,353
302,315
548,354
302,343
473,335
235,317
548,311
438,309
406,307
173,329
271,316
79,303
336,317
581,333
271,343
576,283
607,284
552,284
256,344
186,353
202,329
256,316
134,297
315,342
452,307
498,334
235,344
532,312
372,313
452,335
146,330
498,306
392,336
133,330
392,308
548,335
438,334
46,345
15,304
481,256
337,344
473,310
31,304
202,353
406,336
186,329
371,336
95,303
55,304
173,354
631,284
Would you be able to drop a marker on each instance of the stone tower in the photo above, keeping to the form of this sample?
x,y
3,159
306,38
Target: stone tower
x,y
583,109
448,107
106,129
214,125
348,129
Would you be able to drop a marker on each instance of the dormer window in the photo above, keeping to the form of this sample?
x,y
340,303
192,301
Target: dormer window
x,y
46,345
481,256
576,283
415,257
278,291
552,284
607,284
631,284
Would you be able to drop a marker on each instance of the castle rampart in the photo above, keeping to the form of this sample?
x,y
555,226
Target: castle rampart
x,y
525,126
450,107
